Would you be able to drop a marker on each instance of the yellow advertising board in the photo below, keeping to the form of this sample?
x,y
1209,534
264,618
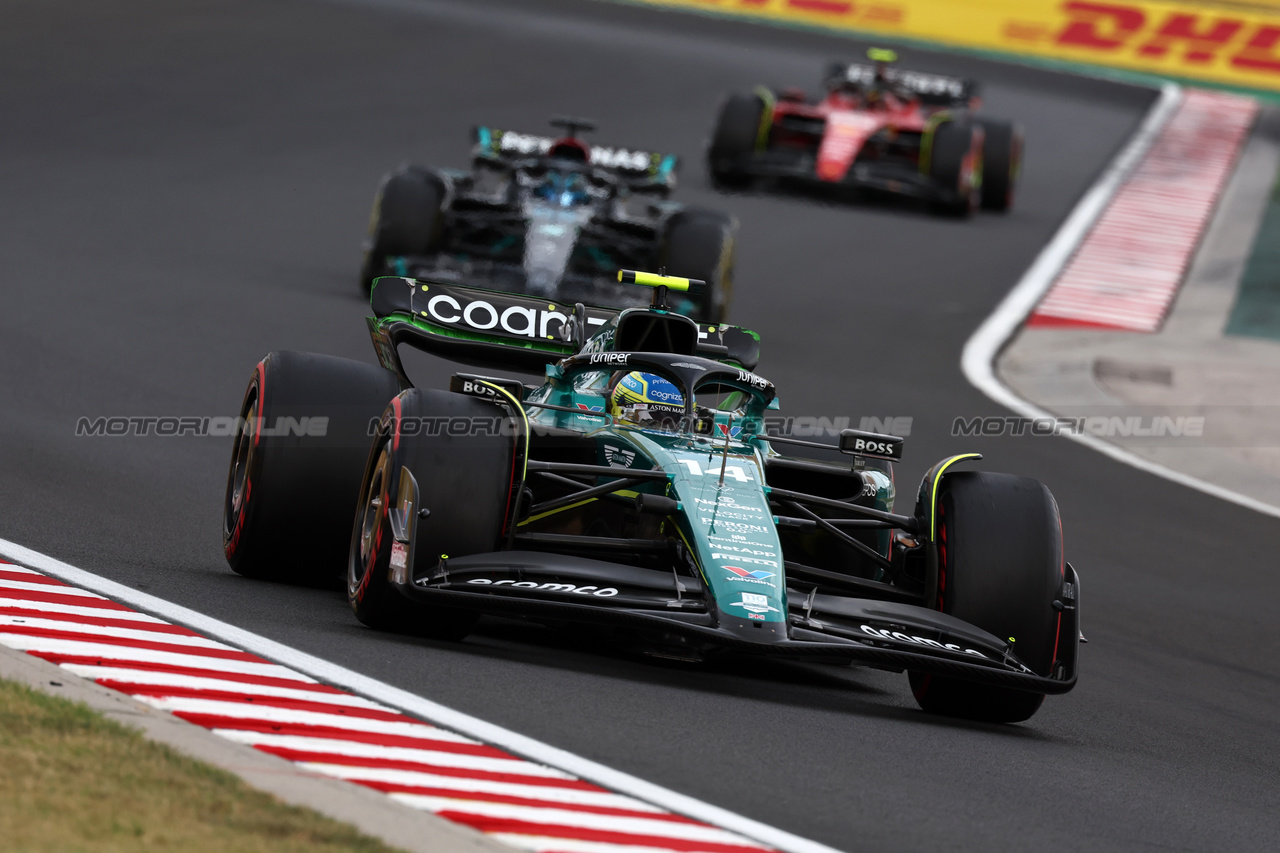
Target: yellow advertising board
x,y
1232,43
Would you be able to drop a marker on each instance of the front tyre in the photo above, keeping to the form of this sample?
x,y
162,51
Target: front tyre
x,y
407,219
955,165
1000,568
1001,163
300,449
462,457
700,244
734,140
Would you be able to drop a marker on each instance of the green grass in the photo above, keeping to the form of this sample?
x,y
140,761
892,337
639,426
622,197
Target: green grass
x,y
72,780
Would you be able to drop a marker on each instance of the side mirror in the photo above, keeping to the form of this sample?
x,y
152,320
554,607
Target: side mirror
x,y
574,330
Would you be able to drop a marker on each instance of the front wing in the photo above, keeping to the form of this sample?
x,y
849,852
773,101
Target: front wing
x,y
675,612
799,168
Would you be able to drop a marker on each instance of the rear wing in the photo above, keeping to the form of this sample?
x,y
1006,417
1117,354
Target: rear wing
x,y
629,162
493,328
929,88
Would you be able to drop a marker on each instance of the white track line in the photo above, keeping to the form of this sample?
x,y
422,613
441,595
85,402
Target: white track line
x,y
982,348
410,703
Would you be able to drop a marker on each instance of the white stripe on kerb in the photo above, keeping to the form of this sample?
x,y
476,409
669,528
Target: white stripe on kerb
x,y
423,755
468,784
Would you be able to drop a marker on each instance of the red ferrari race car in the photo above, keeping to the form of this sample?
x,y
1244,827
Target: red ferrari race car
x,y
878,127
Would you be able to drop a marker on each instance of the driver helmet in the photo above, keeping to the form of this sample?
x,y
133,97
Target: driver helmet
x,y
647,400
569,149
567,189
882,83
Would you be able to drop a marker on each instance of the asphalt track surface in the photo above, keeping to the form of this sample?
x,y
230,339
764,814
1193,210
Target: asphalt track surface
x,y
183,187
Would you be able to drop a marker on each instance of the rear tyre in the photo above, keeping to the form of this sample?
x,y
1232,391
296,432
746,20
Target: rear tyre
x,y
955,165
1001,163
734,139
290,496
700,244
407,219
464,481
1000,565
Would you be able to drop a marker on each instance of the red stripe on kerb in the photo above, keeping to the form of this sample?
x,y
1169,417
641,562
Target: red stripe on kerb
x,y
1049,321
247,697
24,577
427,767
100,621
62,598
514,826
216,721
177,669
196,651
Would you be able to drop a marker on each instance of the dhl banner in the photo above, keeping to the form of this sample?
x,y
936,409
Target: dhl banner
x,y
1231,43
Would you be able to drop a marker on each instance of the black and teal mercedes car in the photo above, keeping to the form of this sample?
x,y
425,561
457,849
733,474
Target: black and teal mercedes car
x,y
637,489
552,218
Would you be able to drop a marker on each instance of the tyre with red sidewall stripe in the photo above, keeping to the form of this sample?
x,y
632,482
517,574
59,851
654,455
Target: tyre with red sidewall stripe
x,y
461,452
296,464
1000,568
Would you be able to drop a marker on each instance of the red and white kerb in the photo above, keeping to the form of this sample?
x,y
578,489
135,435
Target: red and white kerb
x,y
250,700
1128,269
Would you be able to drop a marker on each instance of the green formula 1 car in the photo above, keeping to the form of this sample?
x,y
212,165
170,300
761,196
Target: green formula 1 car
x,y
637,490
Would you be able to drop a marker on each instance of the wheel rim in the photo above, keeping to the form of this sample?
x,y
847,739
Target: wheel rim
x,y
242,459
371,506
